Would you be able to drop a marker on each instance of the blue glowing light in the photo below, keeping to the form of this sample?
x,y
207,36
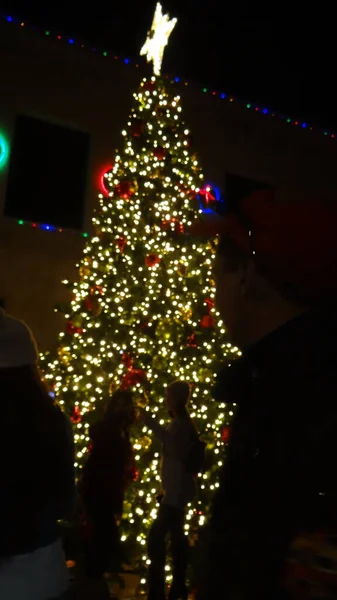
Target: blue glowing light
x,y
48,227
176,79
126,60
213,200
9,19
71,41
208,211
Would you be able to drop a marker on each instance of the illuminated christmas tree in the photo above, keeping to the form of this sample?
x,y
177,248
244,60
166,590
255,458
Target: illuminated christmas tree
x,y
142,312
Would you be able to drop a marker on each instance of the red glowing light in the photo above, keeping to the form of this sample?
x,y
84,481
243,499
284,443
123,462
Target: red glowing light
x,y
102,179
208,195
34,225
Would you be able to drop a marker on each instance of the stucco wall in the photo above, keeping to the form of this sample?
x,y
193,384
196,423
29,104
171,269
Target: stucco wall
x,y
69,86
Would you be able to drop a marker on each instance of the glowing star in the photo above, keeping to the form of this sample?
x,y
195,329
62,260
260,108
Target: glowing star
x,y
157,39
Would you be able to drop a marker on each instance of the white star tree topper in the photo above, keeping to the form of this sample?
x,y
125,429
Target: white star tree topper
x,y
157,39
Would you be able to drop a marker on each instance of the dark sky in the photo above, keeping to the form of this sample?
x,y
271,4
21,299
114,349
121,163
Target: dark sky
x,y
276,58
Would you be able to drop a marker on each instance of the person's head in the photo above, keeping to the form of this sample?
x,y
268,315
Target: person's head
x,y
177,395
19,374
17,345
121,408
274,262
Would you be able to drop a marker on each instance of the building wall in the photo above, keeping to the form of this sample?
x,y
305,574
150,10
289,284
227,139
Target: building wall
x,y
70,86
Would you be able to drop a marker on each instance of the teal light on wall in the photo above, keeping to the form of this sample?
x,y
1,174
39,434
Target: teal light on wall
x,y
4,151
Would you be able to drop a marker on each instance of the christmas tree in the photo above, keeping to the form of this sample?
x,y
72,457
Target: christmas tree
x,y
142,312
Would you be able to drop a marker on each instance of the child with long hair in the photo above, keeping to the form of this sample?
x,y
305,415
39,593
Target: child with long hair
x,y
108,472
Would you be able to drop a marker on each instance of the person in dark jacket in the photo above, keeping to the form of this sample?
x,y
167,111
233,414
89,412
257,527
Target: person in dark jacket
x,y
272,534
108,472
37,476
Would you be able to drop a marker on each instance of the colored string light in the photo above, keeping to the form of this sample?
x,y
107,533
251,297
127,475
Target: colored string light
x,y
47,227
220,95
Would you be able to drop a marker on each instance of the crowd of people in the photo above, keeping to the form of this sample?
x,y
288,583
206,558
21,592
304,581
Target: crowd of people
x,y
273,530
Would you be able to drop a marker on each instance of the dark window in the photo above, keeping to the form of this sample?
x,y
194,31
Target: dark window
x,y
47,174
238,188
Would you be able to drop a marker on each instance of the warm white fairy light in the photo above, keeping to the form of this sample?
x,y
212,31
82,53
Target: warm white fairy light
x,y
157,39
124,306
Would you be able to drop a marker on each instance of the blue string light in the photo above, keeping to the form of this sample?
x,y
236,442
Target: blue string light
x,y
222,95
47,227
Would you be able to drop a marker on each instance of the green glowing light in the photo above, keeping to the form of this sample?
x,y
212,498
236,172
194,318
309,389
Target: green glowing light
x,y
4,151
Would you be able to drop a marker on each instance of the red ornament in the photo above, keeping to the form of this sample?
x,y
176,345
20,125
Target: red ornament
x,y
124,190
135,474
151,260
210,303
88,303
191,194
137,127
159,153
225,434
207,322
149,86
98,289
173,225
76,416
72,329
132,377
121,243
127,359
192,341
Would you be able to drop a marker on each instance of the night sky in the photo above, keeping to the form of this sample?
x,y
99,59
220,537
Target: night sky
x,y
277,59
